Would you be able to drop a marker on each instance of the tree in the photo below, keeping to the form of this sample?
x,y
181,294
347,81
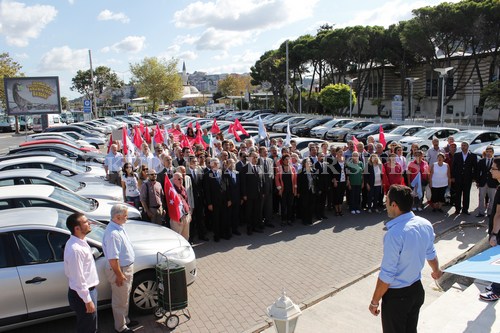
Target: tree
x,y
158,80
491,94
335,97
104,79
64,103
8,68
234,84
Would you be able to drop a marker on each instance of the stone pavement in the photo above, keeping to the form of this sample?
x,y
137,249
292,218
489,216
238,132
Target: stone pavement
x,y
240,278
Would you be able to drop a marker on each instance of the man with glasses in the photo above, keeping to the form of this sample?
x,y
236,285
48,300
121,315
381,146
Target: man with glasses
x,y
153,198
195,173
167,170
252,183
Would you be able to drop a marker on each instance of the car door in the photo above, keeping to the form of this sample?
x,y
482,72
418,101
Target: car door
x,y
41,272
13,305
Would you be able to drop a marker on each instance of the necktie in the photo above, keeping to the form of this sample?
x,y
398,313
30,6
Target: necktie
x,y
488,164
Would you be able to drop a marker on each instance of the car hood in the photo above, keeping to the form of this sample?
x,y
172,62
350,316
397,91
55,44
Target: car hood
x,y
102,212
144,234
411,139
339,130
101,191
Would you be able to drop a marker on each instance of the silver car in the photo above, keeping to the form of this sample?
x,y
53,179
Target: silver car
x,y
34,287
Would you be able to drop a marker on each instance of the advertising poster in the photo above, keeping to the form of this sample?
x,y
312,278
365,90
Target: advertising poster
x,y
32,95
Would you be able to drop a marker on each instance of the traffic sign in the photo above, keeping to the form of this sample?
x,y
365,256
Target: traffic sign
x,y
87,106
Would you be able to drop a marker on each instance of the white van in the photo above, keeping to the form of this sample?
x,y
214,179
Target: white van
x,y
53,120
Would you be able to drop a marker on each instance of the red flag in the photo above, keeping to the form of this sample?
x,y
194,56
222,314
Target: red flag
x,y
381,137
137,138
190,125
355,143
232,130
141,126
199,140
173,201
215,128
124,140
184,141
110,142
147,135
158,135
239,127
198,126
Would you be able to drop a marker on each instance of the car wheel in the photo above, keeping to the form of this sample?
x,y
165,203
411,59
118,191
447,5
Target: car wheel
x,y
144,296
424,149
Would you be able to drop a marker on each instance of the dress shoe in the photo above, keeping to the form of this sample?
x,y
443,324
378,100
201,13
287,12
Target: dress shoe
x,y
457,211
324,217
465,212
258,230
204,238
133,323
479,215
269,225
237,233
127,330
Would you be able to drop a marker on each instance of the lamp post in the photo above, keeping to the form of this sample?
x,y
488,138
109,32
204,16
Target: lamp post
x,y
241,100
299,89
443,72
411,80
284,314
350,96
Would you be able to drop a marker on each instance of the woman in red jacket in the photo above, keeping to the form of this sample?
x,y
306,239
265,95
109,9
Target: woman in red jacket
x,y
286,184
392,173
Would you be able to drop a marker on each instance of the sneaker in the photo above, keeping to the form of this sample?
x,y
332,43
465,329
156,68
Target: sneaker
x,y
358,212
488,288
489,296
353,212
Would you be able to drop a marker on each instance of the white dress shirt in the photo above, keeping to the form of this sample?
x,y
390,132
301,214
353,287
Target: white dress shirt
x,y
79,267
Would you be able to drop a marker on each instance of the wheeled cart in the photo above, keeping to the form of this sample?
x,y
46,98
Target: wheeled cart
x,y
172,291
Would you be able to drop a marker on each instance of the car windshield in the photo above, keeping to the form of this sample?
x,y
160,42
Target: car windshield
x,y
352,124
70,165
73,200
465,136
330,122
399,130
371,127
314,122
425,133
95,234
67,182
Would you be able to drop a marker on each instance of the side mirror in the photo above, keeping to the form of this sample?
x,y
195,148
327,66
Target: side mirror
x,y
66,173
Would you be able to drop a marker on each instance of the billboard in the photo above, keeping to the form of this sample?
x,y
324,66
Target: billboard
x,y
32,95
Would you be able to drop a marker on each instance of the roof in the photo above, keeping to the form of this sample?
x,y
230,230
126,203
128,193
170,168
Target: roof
x,y
20,191
25,173
28,216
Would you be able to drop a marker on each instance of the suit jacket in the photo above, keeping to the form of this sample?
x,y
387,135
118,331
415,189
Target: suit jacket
x,y
188,185
303,182
240,165
483,175
197,181
464,172
234,191
267,167
162,174
252,184
215,189
325,175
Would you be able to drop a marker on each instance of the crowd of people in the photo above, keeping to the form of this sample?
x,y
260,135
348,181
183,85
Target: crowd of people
x,y
228,186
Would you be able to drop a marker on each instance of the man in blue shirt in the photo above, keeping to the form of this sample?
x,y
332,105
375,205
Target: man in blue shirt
x,y
409,241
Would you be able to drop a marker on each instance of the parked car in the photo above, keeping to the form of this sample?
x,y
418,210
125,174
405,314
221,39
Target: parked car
x,y
481,148
96,190
282,126
32,242
63,142
341,134
73,128
63,150
320,131
424,137
18,196
363,134
6,125
79,138
270,123
475,138
305,129
400,133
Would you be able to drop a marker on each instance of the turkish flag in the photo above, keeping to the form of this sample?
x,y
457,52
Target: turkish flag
x,y
215,128
190,125
199,140
141,126
110,142
239,127
232,130
124,140
198,126
158,135
355,143
381,137
173,201
185,141
147,135
137,138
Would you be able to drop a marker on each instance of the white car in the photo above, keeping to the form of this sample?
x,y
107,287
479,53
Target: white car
x,y
424,137
475,138
400,133
59,136
34,286
481,148
18,196
94,190
320,131
65,166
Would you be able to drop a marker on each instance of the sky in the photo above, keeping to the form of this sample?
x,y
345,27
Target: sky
x,y
53,37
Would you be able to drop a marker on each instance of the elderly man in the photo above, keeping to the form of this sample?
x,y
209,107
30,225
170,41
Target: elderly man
x,y
433,152
181,226
147,158
463,173
153,198
119,268
216,195
113,164
409,241
197,225
79,267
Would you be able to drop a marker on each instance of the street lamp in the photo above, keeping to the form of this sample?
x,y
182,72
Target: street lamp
x,y
284,314
350,96
443,72
411,80
241,100
299,89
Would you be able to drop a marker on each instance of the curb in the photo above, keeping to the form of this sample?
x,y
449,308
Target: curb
x,y
343,285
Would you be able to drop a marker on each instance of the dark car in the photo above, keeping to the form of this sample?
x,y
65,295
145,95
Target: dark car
x,y
305,129
282,126
340,134
363,134
269,124
72,128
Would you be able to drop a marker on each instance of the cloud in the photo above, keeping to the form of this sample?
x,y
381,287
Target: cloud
x,y
23,56
130,44
19,23
64,59
174,51
213,39
107,15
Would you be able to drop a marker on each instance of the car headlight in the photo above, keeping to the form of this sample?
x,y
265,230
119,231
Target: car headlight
x,y
182,252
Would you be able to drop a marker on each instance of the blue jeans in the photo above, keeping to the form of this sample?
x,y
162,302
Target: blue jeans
x,y
135,200
85,322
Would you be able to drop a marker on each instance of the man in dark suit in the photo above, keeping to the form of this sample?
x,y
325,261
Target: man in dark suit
x,y
324,183
216,197
252,182
167,171
267,166
197,225
485,182
462,176
233,216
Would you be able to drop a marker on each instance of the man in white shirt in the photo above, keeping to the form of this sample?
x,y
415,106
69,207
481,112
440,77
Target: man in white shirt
x,y
79,267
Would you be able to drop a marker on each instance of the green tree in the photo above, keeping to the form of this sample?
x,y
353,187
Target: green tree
x,y
234,84
104,79
335,97
491,94
64,103
8,68
158,80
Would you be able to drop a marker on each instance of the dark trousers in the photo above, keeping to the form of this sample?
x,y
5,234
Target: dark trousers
x,y
374,197
400,308
254,210
320,199
306,206
197,225
355,197
218,220
233,217
267,207
287,206
85,322
462,195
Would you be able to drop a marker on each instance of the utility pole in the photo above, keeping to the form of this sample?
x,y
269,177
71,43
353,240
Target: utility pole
x,y
94,99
